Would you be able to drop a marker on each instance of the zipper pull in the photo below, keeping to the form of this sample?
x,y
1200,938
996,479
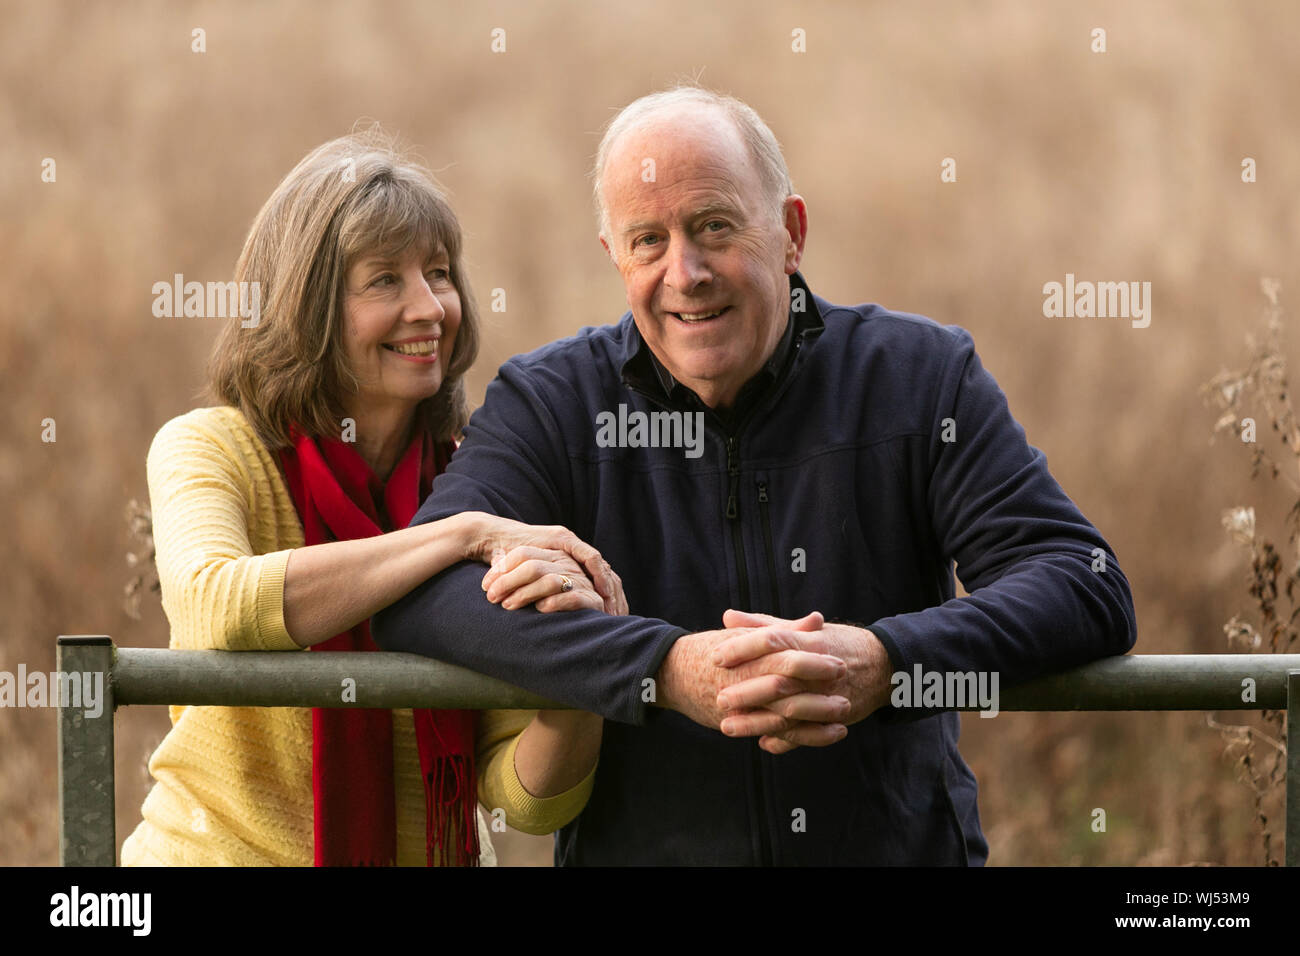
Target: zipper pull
x,y
762,492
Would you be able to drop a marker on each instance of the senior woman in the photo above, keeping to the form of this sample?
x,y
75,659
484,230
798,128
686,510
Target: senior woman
x,y
280,524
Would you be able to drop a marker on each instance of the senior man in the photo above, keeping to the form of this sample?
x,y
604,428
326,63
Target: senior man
x,y
848,456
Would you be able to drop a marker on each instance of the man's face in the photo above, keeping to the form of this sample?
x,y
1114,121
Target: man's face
x,y
704,259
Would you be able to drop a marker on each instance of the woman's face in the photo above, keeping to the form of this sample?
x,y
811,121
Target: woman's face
x,y
400,316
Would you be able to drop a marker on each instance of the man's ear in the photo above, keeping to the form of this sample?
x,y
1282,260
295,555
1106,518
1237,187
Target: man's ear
x,y
796,227
614,259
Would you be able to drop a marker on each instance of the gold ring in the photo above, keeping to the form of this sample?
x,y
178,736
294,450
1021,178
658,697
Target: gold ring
x,y
565,584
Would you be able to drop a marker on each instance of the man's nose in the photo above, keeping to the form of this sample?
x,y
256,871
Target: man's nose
x,y
686,267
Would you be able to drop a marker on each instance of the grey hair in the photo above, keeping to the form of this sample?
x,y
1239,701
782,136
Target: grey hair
x,y
758,139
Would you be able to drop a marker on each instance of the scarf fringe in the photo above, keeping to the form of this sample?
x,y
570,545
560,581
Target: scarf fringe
x,y
454,816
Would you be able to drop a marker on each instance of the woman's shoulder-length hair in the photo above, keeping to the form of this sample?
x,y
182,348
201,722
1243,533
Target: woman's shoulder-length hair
x,y
356,195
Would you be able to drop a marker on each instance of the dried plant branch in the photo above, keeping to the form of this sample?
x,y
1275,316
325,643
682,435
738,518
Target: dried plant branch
x,y
1245,730
141,557
1262,383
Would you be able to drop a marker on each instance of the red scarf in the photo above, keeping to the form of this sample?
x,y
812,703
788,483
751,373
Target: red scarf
x,y
339,498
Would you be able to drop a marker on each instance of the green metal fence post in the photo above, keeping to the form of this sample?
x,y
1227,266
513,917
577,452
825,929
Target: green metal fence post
x,y
87,834
1293,768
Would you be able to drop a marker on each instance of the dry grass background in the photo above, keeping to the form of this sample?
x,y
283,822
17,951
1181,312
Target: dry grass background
x,y
1116,166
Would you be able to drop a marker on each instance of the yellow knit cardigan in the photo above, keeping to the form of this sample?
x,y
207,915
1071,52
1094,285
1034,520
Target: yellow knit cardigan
x,y
234,784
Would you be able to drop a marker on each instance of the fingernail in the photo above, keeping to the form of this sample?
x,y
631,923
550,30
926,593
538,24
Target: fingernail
x,y
724,703
726,727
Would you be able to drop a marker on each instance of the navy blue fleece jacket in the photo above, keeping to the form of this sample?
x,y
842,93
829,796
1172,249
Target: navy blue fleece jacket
x,y
880,455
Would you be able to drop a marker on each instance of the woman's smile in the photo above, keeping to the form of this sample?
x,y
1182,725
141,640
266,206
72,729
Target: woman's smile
x,y
415,349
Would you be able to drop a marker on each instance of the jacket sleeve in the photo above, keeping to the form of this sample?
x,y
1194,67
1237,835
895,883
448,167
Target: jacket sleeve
x,y
513,463
1045,591
499,787
217,593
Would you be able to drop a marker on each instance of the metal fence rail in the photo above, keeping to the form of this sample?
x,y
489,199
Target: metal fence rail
x,y
388,680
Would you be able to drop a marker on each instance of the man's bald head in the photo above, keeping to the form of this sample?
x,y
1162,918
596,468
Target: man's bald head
x,y
697,103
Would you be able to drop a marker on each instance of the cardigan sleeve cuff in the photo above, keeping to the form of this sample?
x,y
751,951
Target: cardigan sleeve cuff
x,y
540,815
271,632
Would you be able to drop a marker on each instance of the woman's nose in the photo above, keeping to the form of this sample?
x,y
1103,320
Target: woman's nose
x,y
424,305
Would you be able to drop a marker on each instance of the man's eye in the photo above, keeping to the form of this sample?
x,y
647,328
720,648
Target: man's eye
x,y
644,241
712,223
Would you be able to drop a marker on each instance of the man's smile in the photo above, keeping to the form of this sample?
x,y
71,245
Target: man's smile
x,y
694,318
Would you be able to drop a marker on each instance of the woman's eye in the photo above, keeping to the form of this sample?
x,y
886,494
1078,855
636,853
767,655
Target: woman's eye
x,y
384,279
440,274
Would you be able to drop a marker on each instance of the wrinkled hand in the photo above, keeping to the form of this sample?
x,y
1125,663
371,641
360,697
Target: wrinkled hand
x,y
787,711
691,683
491,536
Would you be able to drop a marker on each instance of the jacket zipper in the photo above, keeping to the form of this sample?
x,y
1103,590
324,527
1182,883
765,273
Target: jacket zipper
x,y
738,545
733,517
766,522
732,510
732,514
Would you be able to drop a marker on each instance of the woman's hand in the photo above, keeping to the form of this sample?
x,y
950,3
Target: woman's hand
x,y
530,565
531,562
539,576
